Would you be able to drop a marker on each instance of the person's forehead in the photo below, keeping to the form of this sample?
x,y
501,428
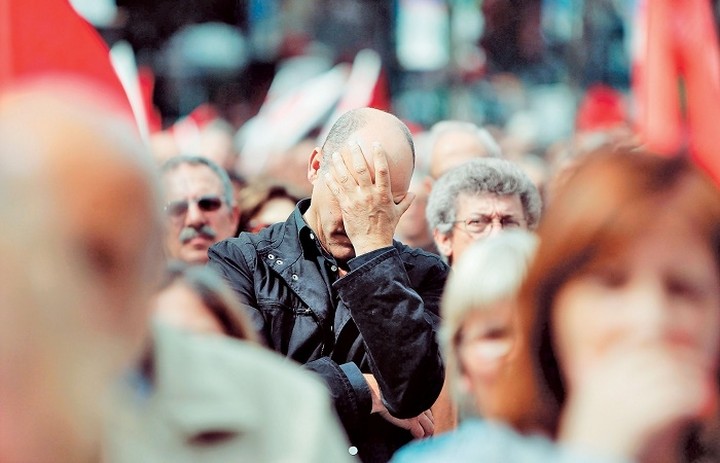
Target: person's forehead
x,y
498,311
191,179
488,203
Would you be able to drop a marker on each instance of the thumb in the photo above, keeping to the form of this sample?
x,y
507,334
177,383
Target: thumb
x,y
406,202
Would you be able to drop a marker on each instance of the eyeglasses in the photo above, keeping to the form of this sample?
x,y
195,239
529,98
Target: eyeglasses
x,y
178,209
483,224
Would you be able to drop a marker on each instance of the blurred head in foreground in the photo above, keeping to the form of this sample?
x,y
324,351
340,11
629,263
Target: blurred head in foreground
x,y
80,253
621,311
478,312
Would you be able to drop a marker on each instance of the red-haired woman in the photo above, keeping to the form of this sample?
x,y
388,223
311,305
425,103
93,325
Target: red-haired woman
x,y
620,314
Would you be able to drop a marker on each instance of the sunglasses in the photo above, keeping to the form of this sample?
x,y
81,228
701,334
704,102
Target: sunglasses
x,y
177,209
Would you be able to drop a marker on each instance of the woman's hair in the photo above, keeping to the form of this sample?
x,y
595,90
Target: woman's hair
x,y
610,199
488,273
215,295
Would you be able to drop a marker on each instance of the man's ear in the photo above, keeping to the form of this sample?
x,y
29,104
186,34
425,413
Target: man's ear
x,y
313,169
443,243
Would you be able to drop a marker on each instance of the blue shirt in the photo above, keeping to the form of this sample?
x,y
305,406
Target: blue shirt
x,y
481,441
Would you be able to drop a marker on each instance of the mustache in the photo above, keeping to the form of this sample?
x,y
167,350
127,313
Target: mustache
x,y
190,233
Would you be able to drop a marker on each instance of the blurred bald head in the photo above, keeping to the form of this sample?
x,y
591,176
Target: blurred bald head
x,y
455,142
79,254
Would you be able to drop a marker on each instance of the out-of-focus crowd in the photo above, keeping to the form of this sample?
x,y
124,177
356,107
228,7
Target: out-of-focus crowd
x,y
329,282
373,295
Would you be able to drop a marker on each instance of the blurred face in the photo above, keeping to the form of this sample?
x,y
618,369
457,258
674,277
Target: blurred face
x,y
478,217
83,292
660,292
124,256
197,214
324,215
274,211
412,229
179,306
486,340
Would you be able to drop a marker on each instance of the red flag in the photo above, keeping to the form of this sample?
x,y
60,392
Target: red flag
x,y
699,63
47,38
676,43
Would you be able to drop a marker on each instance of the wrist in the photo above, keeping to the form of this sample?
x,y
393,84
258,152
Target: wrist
x,y
377,405
368,246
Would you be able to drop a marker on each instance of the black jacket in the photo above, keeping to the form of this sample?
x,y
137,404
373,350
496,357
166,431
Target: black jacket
x,y
384,322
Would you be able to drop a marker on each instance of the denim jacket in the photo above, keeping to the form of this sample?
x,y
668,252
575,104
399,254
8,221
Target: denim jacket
x,y
383,321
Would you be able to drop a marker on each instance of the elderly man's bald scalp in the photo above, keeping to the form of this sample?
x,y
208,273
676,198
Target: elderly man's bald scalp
x,y
81,215
354,120
98,175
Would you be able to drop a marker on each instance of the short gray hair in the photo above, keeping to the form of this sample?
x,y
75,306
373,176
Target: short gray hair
x,y
193,160
476,177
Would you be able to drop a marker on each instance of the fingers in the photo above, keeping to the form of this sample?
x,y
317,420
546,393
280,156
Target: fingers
x,y
429,414
339,171
359,165
338,179
382,171
428,424
416,429
406,202
422,426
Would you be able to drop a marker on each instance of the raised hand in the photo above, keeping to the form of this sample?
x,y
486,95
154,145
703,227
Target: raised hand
x,y
369,210
635,396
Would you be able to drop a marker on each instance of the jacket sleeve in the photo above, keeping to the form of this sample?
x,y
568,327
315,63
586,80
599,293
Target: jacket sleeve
x,y
348,389
346,384
227,260
398,320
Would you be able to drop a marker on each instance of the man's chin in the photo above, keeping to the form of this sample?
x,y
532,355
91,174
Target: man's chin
x,y
342,252
195,255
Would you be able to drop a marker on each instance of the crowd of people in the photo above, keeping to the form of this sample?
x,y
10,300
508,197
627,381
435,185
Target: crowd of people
x,y
438,296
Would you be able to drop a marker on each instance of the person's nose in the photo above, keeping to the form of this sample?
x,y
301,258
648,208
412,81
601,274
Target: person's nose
x,y
194,216
495,228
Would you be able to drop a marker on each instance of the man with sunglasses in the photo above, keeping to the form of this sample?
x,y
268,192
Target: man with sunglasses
x,y
477,199
200,207
331,289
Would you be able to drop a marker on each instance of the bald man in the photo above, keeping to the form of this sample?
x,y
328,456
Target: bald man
x,y
331,289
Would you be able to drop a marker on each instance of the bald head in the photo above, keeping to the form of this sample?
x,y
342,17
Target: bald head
x,y
366,128
99,176
350,123
455,142
80,252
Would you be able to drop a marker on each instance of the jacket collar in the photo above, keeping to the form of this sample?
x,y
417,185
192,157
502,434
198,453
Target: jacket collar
x,y
292,256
